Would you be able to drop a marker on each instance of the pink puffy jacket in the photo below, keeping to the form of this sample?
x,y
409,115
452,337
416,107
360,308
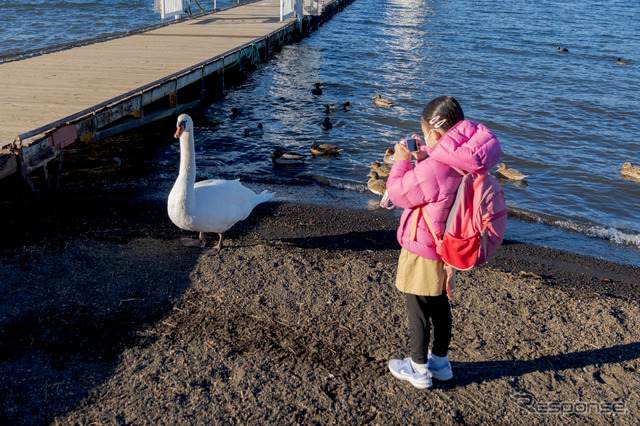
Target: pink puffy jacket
x,y
467,146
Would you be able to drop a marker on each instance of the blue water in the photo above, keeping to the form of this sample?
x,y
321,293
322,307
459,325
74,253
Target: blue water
x,y
568,120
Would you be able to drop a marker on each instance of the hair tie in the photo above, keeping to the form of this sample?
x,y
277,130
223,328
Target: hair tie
x,y
435,123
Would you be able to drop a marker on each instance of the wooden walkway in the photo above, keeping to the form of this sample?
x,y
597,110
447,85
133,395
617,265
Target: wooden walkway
x,y
97,90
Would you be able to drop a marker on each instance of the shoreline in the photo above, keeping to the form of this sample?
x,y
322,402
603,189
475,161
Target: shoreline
x,y
36,220
106,318
521,227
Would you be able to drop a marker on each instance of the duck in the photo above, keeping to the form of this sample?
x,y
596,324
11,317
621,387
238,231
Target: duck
x,y
512,174
326,124
256,131
335,106
563,49
235,112
280,158
506,181
382,102
630,171
213,205
389,157
621,62
324,149
375,184
381,169
317,91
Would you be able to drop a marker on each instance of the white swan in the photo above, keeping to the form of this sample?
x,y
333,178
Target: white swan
x,y
213,205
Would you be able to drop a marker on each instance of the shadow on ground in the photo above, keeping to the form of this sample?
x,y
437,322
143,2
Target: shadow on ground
x,y
81,276
485,371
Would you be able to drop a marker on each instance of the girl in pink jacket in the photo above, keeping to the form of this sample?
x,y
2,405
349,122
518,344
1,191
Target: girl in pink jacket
x,y
452,146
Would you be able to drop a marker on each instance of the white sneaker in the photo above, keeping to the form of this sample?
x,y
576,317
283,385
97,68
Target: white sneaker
x,y
439,367
403,370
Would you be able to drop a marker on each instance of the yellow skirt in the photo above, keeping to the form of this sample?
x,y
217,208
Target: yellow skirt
x,y
420,276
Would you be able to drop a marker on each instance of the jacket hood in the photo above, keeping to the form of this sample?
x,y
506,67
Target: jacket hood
x,y
468,146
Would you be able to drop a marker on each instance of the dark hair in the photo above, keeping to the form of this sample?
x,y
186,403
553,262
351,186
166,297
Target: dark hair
x,y
447,110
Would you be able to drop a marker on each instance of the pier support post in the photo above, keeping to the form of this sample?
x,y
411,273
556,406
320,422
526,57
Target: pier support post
x,y
59,169
25,175
45,172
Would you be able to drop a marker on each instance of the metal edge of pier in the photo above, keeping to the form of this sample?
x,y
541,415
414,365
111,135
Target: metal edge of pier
x,y
170,95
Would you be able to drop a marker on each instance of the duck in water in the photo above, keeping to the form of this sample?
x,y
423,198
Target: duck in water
x,y
512,174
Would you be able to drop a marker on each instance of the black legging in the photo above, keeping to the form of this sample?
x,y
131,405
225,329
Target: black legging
x,y
421,309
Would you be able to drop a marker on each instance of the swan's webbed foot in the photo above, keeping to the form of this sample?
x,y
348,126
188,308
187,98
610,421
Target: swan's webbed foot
x,y
194,242
216,249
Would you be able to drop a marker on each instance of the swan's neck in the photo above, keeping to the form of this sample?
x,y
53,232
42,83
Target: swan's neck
x,y
187,175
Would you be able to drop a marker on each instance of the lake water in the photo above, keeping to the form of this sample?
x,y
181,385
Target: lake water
x,y
568,120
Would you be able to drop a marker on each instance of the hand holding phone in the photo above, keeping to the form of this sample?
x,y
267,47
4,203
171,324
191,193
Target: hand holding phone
x,y
411,144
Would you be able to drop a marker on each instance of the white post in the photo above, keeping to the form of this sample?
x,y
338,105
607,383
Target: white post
x,y
171,8
298,7
288,8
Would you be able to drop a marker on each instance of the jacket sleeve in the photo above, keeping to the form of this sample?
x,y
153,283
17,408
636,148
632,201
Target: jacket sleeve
x,y
409,188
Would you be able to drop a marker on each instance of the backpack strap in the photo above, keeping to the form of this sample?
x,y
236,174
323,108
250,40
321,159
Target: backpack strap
x,y
451,279
419,212
430,226
385,202
462,172
456,202
450,270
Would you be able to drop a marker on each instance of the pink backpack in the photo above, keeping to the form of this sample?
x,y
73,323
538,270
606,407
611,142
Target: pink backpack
x,y
476,224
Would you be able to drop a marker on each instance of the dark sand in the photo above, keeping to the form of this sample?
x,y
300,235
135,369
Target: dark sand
x,y
107,319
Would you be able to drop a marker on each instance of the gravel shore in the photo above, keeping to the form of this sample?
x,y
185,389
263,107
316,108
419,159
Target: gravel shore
x,y
106,319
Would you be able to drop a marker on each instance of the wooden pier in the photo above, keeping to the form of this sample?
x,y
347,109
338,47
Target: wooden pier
x,y
97,90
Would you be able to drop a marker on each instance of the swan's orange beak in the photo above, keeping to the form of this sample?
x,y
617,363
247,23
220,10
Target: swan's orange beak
x,y
179,131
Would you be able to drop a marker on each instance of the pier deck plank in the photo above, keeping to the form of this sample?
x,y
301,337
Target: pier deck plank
x,y
47,88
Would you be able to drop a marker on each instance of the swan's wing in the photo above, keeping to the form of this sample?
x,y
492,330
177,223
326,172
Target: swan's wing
x,y
223,196
219,182
219,204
